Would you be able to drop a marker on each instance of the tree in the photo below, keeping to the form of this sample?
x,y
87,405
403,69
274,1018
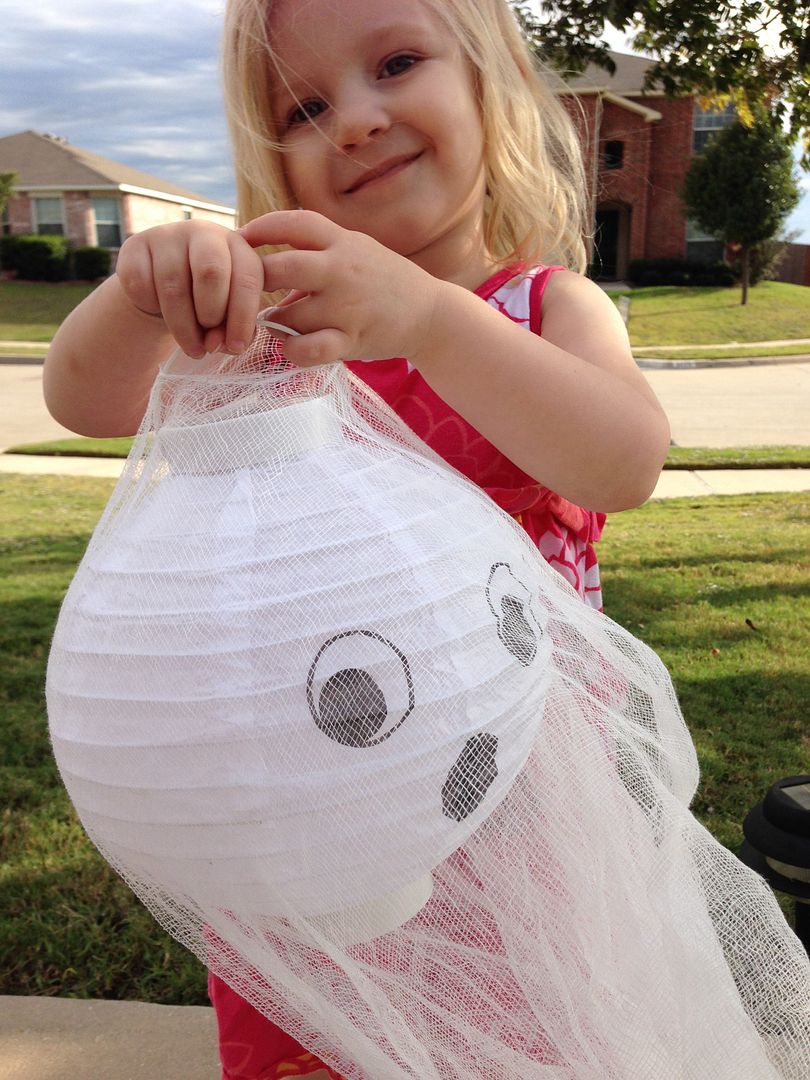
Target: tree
x,y
741,186
755,53
6,187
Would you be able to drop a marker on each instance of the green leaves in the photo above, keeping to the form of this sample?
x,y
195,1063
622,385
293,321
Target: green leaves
x,y
757,50
741,186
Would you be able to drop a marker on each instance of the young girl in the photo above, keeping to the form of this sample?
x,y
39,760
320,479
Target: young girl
x,y
403,162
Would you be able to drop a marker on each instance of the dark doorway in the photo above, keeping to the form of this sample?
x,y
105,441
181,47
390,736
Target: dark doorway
x,y
606,245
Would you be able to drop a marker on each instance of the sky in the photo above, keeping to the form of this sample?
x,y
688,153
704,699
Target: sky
x,y
138,81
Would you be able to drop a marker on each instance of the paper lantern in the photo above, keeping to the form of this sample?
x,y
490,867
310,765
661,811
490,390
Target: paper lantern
x,y
333,718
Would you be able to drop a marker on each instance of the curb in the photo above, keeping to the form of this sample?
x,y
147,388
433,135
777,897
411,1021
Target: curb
x,y
653,363
650,363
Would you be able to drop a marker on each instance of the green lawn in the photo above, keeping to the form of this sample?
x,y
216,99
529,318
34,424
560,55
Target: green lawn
x,y
680,457
719,587
659,315
670,315
30,311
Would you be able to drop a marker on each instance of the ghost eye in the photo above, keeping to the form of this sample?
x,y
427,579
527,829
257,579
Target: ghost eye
x,y
359,688
509,600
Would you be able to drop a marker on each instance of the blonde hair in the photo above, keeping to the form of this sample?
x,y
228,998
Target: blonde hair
x,y
536,193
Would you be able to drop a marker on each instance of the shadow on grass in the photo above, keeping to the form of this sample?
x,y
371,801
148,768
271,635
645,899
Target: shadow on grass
x,y
74,929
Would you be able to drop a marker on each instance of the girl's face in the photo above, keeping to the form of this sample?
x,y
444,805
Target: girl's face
x,y
381,128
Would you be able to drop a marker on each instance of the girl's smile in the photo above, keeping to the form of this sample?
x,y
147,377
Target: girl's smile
x,y
381,128
391,167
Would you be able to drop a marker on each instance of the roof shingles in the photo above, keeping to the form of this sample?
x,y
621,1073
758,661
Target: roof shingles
x,y
48,161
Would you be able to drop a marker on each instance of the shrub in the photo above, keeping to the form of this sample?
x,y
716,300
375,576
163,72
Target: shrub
x,y
764,259
35,258
90,263
678,272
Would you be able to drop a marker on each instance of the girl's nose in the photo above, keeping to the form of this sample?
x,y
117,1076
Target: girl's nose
x,y
360,117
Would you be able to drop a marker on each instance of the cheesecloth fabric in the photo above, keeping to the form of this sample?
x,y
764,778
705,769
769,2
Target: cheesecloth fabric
x,y
348,737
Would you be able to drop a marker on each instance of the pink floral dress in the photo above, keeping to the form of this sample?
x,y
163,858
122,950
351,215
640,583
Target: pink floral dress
x,y
564,533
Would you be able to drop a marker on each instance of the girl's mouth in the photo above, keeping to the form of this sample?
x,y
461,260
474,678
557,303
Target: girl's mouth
x,y
383,171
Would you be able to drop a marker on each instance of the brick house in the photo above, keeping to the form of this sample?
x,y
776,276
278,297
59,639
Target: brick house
x,y
72,192
638,147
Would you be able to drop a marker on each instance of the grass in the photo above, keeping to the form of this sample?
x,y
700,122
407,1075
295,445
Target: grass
x,y
659,315
30,311
719,587
738,457
680,457
694,352
68,925
670,315
78,447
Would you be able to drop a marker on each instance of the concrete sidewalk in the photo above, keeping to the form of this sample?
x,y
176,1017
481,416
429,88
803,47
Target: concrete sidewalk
x,y
65,1039
673,484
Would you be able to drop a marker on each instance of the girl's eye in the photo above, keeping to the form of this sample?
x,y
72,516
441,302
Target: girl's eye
x,y
305,111
396,65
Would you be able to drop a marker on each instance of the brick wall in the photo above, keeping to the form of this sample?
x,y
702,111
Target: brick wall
x,y
629,185
19,215
78,218
142,212
646,188
138,212
670,157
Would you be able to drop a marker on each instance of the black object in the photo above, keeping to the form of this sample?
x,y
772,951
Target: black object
x,y
777,844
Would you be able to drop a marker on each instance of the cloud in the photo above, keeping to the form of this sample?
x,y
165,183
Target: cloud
x,y
138,81
133,80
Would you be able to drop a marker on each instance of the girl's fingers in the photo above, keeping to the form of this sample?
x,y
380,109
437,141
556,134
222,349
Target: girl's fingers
x,y
134,271
303,229
320,347
300,271
292,297
174,287
245,294
209,259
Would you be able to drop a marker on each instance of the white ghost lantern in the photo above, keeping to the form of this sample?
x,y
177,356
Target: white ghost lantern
x,y
333,718
280,625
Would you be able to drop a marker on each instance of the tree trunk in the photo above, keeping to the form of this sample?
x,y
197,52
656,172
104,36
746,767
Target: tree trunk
x,y
746,260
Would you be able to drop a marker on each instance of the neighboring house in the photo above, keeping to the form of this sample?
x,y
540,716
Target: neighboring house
x,y
72,192
638,147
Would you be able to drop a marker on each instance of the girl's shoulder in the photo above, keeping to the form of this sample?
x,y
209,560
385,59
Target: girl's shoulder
x,y
518,292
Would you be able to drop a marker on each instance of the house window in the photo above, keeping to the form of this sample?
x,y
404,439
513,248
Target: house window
x,y
48,217
107,215
707,122
187,215
614,154
702,246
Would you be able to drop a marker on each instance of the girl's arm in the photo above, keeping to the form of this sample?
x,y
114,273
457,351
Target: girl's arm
x,y
102,362
570,408
191,283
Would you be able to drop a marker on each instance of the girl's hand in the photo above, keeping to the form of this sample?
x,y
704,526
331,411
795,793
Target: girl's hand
x,y
202,279
351,298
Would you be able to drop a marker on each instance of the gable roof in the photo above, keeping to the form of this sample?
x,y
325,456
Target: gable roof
x,y
628,80
48,161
